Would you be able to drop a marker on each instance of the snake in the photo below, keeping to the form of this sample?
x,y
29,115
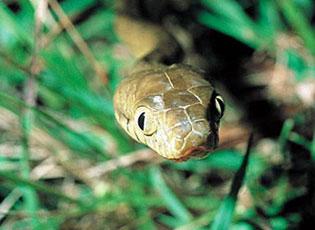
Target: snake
x,y
172,108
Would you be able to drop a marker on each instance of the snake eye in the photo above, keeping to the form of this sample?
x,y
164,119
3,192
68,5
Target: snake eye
x,y
141,120
145,121
219,106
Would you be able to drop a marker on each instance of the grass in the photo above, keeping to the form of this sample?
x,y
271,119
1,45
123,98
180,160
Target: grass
x,y
49,150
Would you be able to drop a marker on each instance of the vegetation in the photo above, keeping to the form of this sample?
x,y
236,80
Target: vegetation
x,y
64,163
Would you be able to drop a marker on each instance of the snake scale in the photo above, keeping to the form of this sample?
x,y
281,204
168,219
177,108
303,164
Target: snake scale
x,y
170,108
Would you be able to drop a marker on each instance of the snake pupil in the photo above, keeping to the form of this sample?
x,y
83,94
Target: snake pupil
x,y
141,119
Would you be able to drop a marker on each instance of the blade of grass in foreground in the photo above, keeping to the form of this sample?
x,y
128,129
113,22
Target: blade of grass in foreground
x,y
29,194
224,216
269,18
65,135
226,159
285,133
40,187
225,15
242,33
299,23
11,25
313,147
171,201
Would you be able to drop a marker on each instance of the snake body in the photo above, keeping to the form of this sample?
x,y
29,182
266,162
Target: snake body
x,y
172,109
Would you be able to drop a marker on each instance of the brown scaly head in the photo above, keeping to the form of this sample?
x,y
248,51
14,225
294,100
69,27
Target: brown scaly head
x,y
172,109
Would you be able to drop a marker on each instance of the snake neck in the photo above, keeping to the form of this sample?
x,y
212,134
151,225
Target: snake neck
x,y
149,44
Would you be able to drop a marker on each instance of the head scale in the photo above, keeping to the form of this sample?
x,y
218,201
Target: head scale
x,y
172,109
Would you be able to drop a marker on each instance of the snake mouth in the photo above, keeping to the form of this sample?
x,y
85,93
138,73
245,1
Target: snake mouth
x,y
196,152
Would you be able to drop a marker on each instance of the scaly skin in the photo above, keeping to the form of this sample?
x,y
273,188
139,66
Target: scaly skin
x,y
175,100
172,109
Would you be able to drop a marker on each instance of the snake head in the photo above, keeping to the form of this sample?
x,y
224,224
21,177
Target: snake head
x,y
173,110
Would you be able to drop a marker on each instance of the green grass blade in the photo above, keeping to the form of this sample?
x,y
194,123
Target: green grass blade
x,y
11,26
269,17
285,133
175,206
224,216
224,159
29,194
313,146
241,33
229,9
300,140
39,187
57,129
298,22
74,7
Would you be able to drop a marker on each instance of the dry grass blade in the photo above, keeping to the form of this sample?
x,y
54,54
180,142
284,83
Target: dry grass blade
x,y
144,155
78,40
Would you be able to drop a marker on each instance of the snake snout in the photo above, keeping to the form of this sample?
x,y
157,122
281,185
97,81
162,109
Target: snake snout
x,y
195,152
187,138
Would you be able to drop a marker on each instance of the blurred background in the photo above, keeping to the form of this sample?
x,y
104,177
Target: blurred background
x,y
65,164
